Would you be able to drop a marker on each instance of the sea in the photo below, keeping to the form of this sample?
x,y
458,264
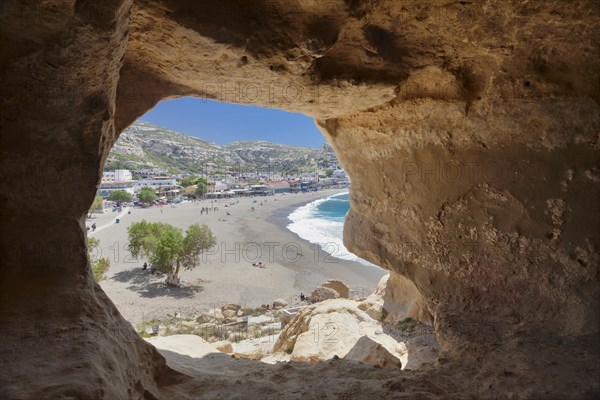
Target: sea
x,y
322,222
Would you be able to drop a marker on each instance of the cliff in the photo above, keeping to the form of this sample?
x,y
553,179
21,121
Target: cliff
x,y
470,131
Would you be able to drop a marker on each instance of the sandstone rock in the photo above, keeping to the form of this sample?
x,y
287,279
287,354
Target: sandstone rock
x,y
340,287
280,303
421,350
229,314
401,349
190,345
324,293
216,315
455,137
203,318
329,328
254,349
394,299
224,347
230,307
189,324
240,313
368,351
275,358
248,356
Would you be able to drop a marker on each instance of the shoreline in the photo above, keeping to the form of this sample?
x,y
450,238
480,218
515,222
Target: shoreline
x,y
293,265
279,218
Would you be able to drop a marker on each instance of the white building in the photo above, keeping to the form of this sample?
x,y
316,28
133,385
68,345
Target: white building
x,y
160,183
107,187
221,186
117,176
119,179
150,172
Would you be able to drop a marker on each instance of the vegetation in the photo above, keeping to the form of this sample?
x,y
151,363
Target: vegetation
x,y
96,206
187,181
201,188
143,327
99,268
120,195
167,249
211,332
147,195
201,184
117,164
407,325
329,172
99,265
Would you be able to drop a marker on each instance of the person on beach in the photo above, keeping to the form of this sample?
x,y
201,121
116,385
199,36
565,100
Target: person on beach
x,y
145,266
93,226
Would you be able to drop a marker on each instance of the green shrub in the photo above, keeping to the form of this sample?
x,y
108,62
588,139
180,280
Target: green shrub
x,y
407,324
99,268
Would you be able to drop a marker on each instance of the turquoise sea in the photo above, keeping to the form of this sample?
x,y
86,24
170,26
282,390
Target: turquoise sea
x,y
322,222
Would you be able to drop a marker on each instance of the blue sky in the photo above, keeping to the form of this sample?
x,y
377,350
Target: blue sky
x,y
224,123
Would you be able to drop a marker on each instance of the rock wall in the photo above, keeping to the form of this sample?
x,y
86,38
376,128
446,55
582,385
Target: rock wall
x,y
470,131
492,214
402,300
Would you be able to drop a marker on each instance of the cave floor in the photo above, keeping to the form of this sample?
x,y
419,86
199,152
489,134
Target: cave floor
x,y
567,369
220,376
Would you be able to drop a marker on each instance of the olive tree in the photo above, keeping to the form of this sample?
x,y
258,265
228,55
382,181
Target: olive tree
x,y
167,248
147,195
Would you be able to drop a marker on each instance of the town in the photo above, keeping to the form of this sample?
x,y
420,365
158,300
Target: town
x,y
174,188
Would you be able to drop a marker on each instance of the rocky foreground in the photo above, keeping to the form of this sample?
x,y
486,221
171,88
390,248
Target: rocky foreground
x,y
335,327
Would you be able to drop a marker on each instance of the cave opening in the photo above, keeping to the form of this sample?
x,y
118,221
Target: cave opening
x,y
508,263
274,196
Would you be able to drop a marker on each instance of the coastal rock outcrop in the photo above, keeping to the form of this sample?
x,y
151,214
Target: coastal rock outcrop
x,y
330,328
280,303
470,131
368,351
324,293
340,287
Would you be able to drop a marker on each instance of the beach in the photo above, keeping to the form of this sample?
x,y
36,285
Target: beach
x,y
225,274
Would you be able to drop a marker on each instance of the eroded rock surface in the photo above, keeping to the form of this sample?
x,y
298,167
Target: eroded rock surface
x,y
402,300
331,328
470,131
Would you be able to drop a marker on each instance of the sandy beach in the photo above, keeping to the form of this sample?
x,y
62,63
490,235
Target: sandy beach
x,y
226,274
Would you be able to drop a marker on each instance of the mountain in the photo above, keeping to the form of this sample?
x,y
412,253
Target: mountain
x,y
144,145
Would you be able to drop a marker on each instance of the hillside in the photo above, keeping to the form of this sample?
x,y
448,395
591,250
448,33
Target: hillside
x,y
143,145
